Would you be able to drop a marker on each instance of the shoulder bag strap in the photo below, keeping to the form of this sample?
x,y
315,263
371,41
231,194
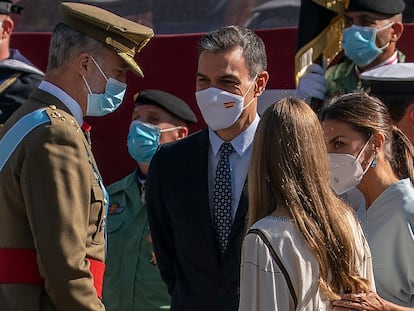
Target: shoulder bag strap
x,y
278,262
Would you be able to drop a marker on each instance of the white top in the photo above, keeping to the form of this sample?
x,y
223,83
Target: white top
x,y
262,284
390,234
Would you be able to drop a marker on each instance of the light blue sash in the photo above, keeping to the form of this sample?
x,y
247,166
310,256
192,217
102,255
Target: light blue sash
x,y
24,126
18,131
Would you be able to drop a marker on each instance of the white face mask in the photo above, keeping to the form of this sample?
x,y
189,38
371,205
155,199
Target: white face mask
x,y
346,171
221,109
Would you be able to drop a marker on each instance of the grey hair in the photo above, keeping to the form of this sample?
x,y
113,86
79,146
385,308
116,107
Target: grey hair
x,y
67,43
229,37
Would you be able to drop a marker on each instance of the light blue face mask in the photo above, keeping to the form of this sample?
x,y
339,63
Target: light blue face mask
x,y
144,139
359,43
104,103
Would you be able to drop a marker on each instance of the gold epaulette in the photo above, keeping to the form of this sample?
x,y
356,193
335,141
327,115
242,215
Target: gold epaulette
x,y
57,115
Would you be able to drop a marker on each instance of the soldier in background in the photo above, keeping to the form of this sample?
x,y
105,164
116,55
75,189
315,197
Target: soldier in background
x,y
132,279
18,76
372,30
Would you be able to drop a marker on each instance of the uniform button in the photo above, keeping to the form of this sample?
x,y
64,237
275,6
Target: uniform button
x,y
221,292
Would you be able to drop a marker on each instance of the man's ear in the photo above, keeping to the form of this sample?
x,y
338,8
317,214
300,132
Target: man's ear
x,y
7,27
84,62
398,29
182,132
261,82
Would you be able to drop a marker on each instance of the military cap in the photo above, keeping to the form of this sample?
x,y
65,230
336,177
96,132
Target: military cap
x,y
168,102
391,79
386,7
124,36
7,7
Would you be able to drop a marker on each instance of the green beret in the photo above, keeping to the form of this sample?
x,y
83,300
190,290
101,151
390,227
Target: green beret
x,y
391,79
172,104
386,7
124,36
7,7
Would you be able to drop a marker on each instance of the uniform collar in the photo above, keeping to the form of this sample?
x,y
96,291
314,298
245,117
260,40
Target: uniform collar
x,y
65,98
392,60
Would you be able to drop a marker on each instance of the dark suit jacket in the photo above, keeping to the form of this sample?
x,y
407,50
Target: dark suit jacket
x,y
183,233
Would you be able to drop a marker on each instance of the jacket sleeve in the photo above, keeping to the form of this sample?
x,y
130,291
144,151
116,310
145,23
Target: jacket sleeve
x,y
159,220
64,208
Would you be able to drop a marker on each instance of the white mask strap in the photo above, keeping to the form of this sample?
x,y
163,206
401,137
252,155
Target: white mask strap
x,y
382,28
250,102
363,148
87,85
385,26
99,67
360,153
170,129
251,84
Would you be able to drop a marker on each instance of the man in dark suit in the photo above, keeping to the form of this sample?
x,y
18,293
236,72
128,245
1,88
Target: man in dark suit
x,y
197,215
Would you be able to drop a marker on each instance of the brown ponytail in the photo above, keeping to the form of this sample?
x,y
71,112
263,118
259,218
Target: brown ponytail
x,y
402,155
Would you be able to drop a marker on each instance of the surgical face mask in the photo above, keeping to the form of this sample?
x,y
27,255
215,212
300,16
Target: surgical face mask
x,y
359,43
144,139
221,109
345,171
102,104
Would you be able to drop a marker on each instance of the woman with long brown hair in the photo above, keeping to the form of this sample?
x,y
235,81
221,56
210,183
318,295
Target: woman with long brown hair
x,y
368,152
304,246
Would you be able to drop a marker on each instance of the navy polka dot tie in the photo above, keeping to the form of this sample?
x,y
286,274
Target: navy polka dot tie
x,y
222,197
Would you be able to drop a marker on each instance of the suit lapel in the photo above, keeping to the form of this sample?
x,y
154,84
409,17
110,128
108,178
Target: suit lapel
x,y
201,188
201,173
240,217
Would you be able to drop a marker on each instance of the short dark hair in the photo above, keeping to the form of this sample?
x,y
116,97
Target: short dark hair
x,y
229,37
397,104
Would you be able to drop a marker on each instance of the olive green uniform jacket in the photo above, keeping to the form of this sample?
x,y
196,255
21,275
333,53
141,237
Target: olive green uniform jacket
x,y
51,203
132,280
342,78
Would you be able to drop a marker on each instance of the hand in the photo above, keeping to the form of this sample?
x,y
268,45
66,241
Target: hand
x,y
360,301
312,84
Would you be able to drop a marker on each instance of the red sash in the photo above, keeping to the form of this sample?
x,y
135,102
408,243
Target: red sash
x,y
19,266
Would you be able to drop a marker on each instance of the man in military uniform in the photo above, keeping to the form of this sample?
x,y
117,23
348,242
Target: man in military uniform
x,y
372,29
18,76
394,85
132,279
52,199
